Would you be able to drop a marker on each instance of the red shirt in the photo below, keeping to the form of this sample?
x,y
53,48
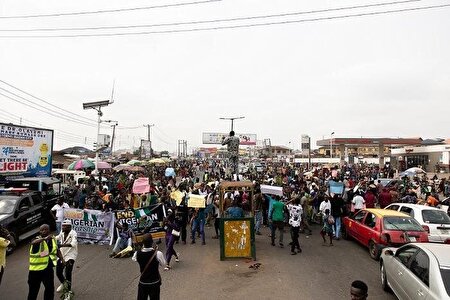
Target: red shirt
x,y
370,200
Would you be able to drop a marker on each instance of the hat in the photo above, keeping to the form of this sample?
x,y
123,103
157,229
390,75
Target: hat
x,y
67,222
169,210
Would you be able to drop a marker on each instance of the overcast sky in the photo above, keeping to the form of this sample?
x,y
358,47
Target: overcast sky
x,y
380,75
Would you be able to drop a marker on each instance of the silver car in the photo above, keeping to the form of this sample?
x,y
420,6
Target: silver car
x,y
417,271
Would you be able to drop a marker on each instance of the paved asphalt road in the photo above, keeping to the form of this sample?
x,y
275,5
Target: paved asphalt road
x,y
320,272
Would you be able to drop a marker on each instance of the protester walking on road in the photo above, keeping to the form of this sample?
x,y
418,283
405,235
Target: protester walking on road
x,y
277,218
43,255
295,218
198,222
258,201
172,234
327,228
5,240
232,143
149,260
58,213
68,245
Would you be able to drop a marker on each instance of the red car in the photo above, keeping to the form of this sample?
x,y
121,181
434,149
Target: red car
x,y
380,228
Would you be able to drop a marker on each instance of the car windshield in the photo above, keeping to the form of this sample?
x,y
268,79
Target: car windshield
x,y
445,272
401,223
435,216
7,206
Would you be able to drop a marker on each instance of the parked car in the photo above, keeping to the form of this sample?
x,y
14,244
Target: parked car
x,y
417,271
433,220
23,211
388,182
445,205
380,228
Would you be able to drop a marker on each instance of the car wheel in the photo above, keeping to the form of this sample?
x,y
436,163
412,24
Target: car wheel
x,y
373,250
10,249
384,282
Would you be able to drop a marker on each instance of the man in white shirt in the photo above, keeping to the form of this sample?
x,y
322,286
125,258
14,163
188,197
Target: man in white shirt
x,y
68,245
326,204
58,213
295,219
358,202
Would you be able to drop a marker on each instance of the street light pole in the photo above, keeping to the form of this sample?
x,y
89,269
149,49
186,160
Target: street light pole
x,y
331,146
98,107
232,120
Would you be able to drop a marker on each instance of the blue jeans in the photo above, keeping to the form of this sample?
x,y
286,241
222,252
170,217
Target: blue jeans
x,y
121,244
196,223
58,227
337,227
258,220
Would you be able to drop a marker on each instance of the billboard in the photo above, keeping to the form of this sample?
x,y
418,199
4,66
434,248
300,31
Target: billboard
x,y
25,151
217,138
306,144
146,149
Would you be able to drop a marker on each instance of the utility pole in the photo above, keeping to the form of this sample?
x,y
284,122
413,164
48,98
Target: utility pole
x,y
331,146
268,145
182,148
114,124
149,137
232,120
98,107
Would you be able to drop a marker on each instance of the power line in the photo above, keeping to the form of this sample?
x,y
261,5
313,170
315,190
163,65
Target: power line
x,y
232,26
107,10
46,111
49,109
40,99
213,20
12,116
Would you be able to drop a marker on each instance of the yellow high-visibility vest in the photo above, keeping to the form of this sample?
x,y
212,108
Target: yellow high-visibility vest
x,y
38,262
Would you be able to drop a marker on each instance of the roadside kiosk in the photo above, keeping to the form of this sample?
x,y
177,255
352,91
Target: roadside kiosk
x,y
237,235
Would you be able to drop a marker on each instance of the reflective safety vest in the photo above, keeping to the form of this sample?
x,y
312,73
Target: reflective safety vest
x,y
38,262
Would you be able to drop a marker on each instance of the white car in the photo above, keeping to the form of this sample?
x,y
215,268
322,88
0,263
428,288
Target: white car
x,y
435,221
417,271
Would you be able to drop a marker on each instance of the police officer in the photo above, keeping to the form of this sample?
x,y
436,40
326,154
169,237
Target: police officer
x,y
43,257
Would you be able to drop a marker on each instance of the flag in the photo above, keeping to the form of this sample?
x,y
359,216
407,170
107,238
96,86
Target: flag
x,y
142,212
89,217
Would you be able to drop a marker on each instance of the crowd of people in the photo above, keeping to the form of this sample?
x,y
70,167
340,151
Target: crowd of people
x,y
305,199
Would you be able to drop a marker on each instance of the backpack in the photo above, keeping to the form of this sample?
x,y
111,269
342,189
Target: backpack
x,y
330,220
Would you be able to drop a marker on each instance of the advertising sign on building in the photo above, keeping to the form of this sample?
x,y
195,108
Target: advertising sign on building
x,y
306,144
25,151
217,138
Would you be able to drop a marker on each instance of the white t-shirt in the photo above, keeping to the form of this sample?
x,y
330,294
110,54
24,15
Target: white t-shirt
x,y
324,206
358,202
295,214
60,211
68,252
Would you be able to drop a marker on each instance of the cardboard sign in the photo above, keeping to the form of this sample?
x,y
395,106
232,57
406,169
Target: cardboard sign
x,y
177,196
141,186
272,190
196,201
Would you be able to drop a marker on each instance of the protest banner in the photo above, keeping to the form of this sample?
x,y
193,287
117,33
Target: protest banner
x,y
141,186
196,201
91,226
336,187
271,190
147,219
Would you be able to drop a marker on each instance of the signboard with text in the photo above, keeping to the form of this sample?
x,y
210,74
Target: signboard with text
x,y
217,138
25,151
